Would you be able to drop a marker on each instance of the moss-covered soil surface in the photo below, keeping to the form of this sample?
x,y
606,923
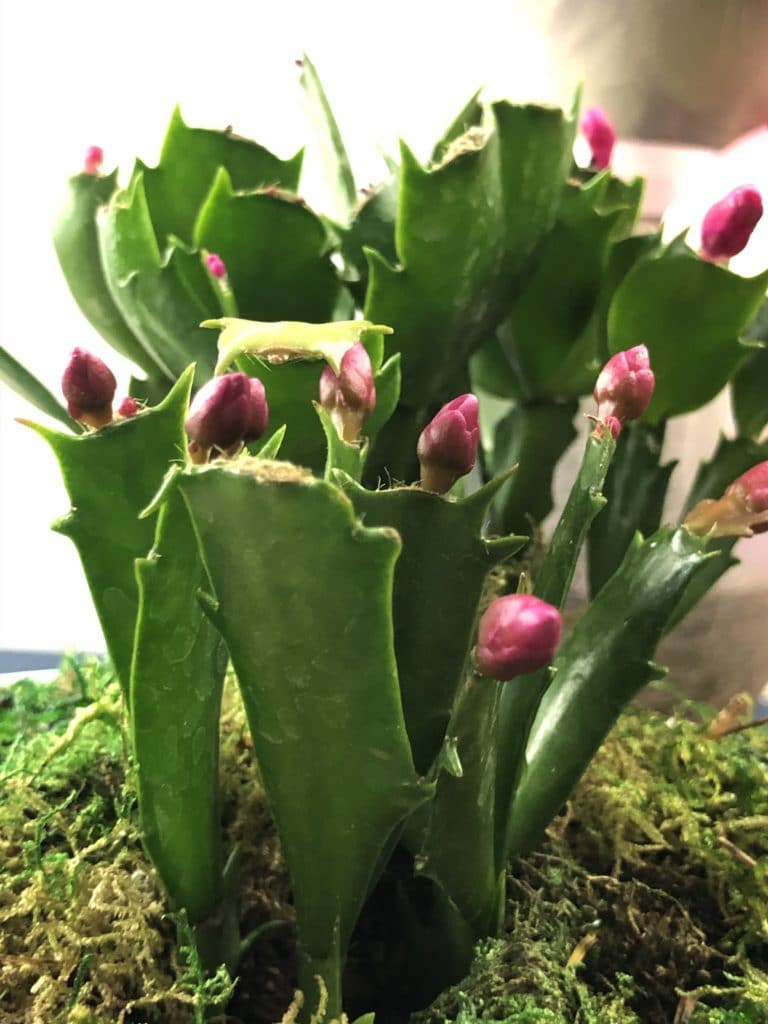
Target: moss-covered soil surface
x,y
647,903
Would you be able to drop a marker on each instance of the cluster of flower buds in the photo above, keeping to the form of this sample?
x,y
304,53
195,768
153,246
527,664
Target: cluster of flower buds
x,y
624,388
728,224
94,158
447,448
740,512
349,397
226,413
600,135
516,634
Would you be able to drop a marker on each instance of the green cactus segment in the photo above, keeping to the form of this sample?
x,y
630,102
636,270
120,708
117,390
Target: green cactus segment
x,y
275,250
571,263
315,660
636,488
520,698
110,476
465,230
690,314
332,152
189,161
601,665
175,697
76,241
163,296
458,850
730,460
372,227
291,340
438,583
350,458
30,388
470,116
533,438
750,384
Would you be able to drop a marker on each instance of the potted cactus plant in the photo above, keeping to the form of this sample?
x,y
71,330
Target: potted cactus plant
x,y
327,473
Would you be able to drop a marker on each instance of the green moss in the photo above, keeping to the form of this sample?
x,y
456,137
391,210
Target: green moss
x,y
653,883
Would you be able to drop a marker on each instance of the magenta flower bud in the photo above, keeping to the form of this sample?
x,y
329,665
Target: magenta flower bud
x,y
517,634
225,413
728,224
88,385
624,388
597,129
216,265
94,158
741,512
447,448
128,407
349,396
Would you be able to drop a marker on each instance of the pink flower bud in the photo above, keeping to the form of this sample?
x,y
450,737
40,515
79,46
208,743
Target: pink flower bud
x,y
226,412
94,158
128,407
350,396
216,265
742,510
447,448
728,224
600,134
88,385
624,388
517,634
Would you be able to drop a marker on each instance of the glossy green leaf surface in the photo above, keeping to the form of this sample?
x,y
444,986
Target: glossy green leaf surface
x,y
275,249
458,850
570,264
438,581
601,665
465,230
175,698
30,388
163,296
520,698
750,384
75,238
690,314
338,171
315,661
372,227
189,161
636,488
533,438
110,476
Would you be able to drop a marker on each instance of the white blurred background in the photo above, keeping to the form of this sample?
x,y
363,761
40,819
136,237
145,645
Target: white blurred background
x,y
83,73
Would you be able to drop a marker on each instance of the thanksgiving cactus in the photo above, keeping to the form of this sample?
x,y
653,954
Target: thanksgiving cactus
x,y
416,717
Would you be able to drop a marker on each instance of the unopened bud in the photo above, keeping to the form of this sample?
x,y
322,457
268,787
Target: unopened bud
x,y
128,407
88,385
216,265
741,512
728,224
600,134
624,388
447,448
225,413
517,634
94,158
349,396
